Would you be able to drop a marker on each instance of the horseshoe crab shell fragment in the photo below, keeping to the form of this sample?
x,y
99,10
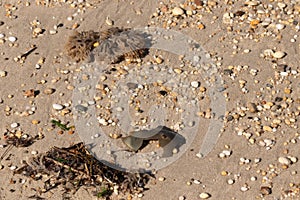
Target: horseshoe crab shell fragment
x,y
167,139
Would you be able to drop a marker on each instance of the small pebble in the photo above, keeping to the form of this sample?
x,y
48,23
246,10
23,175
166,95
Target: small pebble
x,y
13,168
265,190
177,11
204,195
49,91
181,198
57,106
34,152
161,179
12,39
3,73
195,84
284,161
14,125
279,54
230,181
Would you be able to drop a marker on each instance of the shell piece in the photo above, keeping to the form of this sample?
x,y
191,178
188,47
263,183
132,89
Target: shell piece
x,y
133,143
80,45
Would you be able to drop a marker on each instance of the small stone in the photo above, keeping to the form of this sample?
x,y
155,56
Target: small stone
x,y
161,179
280,26
197,182
34,152
230,181
204,195
195,84
3,73
181,198
52,32
49,91
37,31
267,128
13,168
284,161
35,121
279,54
265,190
14,125
177,11
12,39
81,108
252,107
57,106
244,188
287,91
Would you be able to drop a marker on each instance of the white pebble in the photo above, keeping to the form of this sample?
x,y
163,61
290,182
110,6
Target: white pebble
x,y
57,106
34,152
181,198
244,188
197,182
14,125
280,26
279,54
230,181
284,160
12,38
3,73
204,195
177,11
2,35
161,178
195,84
13,167
52,32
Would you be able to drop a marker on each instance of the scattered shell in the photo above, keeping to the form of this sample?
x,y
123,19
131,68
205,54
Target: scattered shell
x,y
279,54
57,106
204,195
177,11
109,21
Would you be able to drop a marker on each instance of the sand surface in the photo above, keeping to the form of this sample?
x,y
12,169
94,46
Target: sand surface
x,y
254,46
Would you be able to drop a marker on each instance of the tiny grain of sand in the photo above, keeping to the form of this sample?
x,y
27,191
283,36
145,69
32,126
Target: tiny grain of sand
x,y
255,46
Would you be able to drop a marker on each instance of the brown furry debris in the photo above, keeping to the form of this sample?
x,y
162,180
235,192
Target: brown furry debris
x,y
112,45
117,45
80,45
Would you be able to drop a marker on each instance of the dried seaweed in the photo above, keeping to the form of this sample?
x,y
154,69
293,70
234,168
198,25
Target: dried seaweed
x,y
80,44
112,45
74,167
117,45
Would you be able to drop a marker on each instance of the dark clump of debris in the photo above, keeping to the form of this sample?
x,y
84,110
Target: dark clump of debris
x,y
112,45
74,167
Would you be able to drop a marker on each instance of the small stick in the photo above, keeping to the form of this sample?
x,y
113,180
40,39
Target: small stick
x,y
24,55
